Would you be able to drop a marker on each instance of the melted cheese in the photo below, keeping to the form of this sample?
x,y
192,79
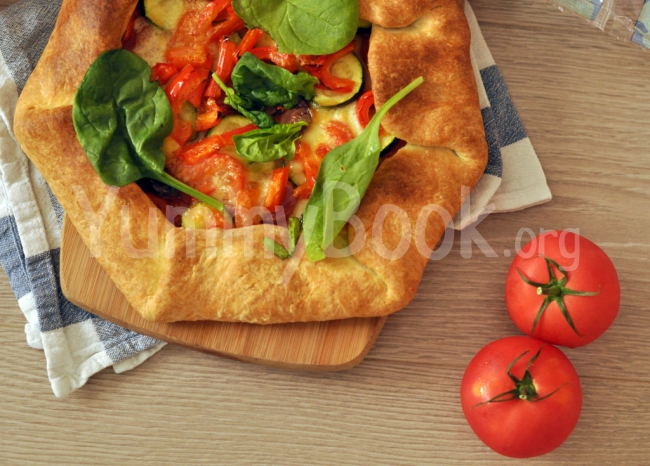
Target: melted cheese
x,y
315,133
151,45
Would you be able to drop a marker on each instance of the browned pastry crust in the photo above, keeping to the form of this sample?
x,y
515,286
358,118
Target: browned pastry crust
x,y
236,280
398,13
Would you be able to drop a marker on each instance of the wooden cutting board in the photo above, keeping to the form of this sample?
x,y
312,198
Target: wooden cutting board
x,y
316,346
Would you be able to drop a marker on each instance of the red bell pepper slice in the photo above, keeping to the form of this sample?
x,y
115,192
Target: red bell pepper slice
x,y
332,82
232,24
277,188
195,27
364,104
364,111
210,14
310,165
248,42
177,91
197,94
200,150
311,170
303,191
320,67
210,116
186,30
182,131
212,90
195,55
163,72
226,28
225,63
184,86
286,61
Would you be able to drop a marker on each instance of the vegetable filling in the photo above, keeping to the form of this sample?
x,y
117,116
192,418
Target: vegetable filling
x,y
227,112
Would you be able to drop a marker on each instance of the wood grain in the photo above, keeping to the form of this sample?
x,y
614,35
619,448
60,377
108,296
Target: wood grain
x,y
584,98
314,346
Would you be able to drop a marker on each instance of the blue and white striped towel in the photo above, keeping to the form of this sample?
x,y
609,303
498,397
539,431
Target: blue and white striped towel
x,y
77,344
513,179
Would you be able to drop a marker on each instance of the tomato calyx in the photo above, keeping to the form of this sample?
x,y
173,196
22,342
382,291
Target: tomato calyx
x,y
555,290
524,388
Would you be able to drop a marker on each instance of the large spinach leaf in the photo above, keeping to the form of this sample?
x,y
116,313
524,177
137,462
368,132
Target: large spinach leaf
x,y
121,119
271,85
245,106
258,85
343,179
268,144
305,27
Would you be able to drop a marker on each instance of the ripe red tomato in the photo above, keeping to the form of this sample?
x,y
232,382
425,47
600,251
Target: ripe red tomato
x,y
573,305
521,397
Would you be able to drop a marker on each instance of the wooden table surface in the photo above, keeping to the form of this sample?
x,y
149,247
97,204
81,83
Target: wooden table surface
x,y
585,101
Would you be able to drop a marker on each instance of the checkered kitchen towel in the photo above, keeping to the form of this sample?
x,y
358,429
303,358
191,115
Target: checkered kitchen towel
x,y
77,344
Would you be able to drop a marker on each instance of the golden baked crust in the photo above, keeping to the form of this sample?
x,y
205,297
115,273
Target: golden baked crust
x,y
397,13
236,280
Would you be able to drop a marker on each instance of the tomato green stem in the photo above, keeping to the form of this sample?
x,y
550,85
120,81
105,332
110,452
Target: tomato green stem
x,y
550,291
555,290
525,388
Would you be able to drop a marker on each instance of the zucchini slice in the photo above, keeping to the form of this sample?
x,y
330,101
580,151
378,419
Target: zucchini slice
x,y
229,123
315,133
348,67
164,13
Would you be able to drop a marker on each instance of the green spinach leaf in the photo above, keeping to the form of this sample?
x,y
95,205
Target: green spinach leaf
x,y
121,119
268,144
276,248
245,106
343,179
294,228
258,85
271,85
303,27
